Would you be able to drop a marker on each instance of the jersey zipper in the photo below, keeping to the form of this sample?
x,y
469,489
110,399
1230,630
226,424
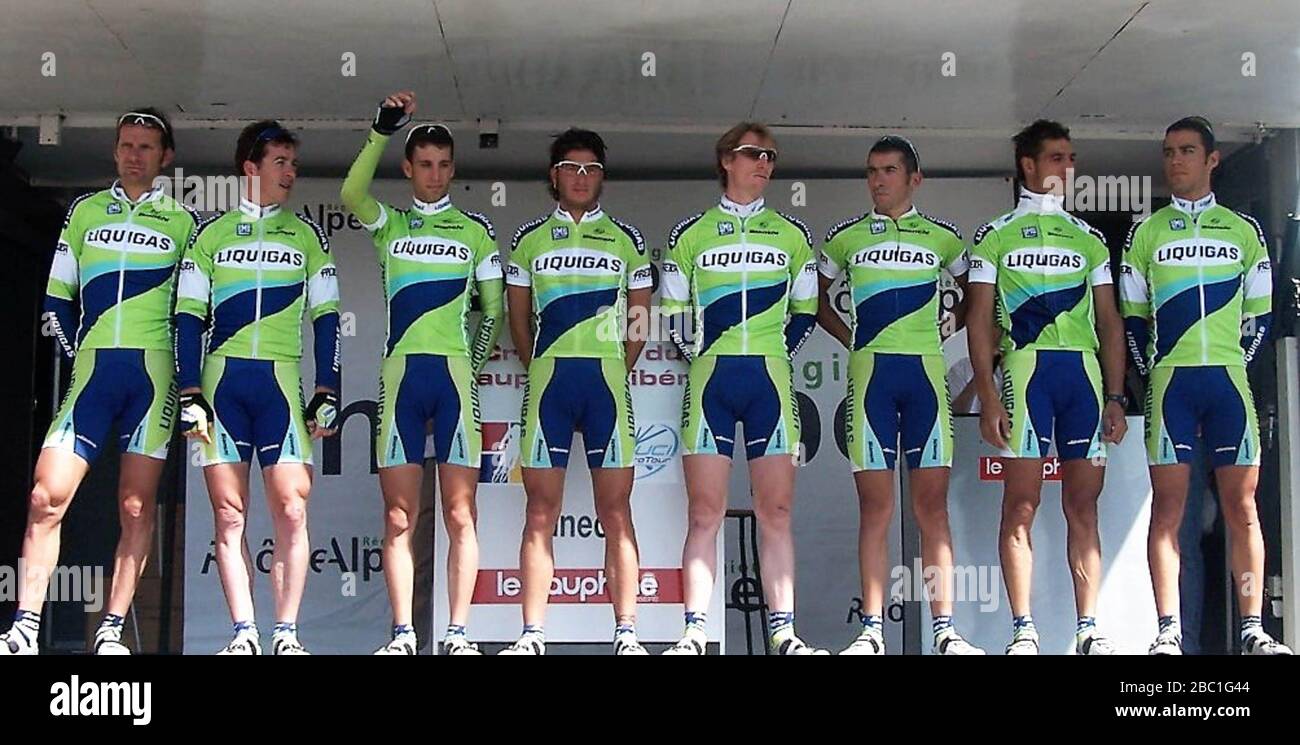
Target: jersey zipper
x,y
257,303
1200,289
744,288
121,281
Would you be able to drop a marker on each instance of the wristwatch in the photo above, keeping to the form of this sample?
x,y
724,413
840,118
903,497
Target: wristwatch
x,y
1118,398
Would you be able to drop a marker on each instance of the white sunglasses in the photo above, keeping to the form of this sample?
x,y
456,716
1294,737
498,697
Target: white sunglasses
x,y
143,119
575,168
426,128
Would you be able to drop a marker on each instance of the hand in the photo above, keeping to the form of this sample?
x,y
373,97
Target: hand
x,y
1114,425
394,112
995,424
196,415
322,413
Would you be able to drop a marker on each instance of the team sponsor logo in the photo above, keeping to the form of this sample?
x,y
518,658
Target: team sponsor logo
x,y
577,586
1197,254
726,228
1045,260
1177,223
244,228
992,468
577,260
1029,231
896,257
417,223
656,447
877,227
114,208
642,274
735,258
277,257
559,232
429,249
129,238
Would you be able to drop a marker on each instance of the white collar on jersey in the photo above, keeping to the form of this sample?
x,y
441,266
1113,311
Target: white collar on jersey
x,y
1032,201
911,212
431,208
595,213
1194,207
119,193
256,211
740,210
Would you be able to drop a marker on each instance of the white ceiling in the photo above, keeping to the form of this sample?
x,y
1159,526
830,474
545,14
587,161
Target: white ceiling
x,y
832,73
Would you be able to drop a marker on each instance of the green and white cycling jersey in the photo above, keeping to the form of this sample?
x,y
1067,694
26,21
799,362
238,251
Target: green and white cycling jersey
x,y
741,271
893,269
1192,273
434,257
580,273
1043,263
117,260
258,269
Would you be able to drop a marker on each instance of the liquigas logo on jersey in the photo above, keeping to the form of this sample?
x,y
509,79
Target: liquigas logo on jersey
x,y
270,257
903,256
735,259
577,261
429,249
129,238
1206,253
1045,260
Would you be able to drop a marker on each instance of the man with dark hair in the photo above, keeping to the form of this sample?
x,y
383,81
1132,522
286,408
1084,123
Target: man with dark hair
x,y
1196,289
434,257
116,258
248,277
1042,278
744,277
892,258
575,277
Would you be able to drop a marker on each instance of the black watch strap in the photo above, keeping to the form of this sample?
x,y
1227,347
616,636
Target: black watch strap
x,y
1118,398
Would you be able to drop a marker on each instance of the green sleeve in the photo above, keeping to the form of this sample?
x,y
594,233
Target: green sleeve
x,y
356,187
490,285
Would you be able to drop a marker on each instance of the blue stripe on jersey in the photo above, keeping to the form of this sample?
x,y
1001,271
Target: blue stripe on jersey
x,y
725,312
239,311
409,303
564,313
883,308
1040,311
1180,312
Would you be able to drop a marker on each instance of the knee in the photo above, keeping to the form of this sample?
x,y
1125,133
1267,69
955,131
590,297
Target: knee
x,y
291,513
616,519
133,516
459,518
773,515
931,510
540,516
230,520
44,506
1239,511
707,517
1018,510
1080,508
397,520
876,511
